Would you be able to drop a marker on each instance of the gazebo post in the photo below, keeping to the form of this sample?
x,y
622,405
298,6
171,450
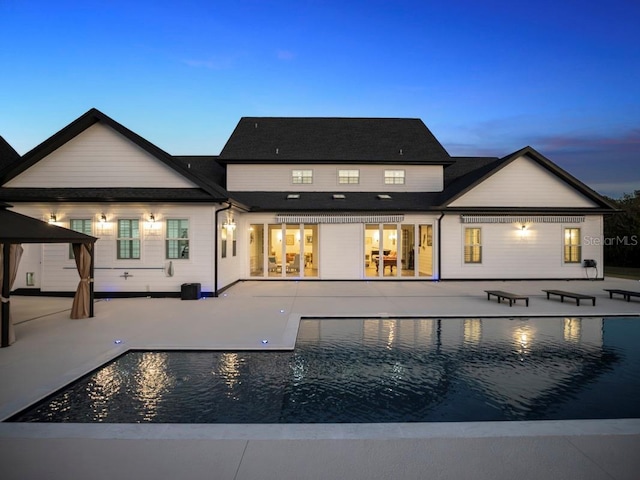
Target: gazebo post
x,y
6,290
92,251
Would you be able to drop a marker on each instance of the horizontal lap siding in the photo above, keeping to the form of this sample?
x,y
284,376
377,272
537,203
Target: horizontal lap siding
x,y
100,157
273,178
150,272
523,183
505,254
341,251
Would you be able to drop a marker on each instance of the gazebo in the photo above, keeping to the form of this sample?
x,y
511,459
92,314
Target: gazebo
x,y
16,229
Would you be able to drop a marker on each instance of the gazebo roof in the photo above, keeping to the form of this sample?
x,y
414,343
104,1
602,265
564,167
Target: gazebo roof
x,y
17,228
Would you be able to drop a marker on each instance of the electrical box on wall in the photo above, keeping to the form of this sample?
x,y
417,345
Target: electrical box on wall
x,y
589,263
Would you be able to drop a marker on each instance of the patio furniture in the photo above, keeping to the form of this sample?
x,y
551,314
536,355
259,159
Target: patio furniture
x,y
576,296
626,294
512,297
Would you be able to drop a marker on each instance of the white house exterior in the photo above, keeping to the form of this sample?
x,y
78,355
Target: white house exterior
x,y
297,198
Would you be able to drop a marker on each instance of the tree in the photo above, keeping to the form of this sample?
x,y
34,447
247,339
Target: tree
x,y
622,232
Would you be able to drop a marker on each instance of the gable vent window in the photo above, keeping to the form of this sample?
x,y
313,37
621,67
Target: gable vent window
x,y
348,177
394,177
299,177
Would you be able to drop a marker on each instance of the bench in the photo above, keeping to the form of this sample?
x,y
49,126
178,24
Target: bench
x,y
512,297
626,294
576,296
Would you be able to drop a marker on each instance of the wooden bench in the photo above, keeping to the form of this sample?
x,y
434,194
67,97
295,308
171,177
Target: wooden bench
x,y
512,297
626,294
576,296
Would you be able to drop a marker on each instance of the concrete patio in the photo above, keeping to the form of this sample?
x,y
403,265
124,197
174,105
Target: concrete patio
x,y
52,350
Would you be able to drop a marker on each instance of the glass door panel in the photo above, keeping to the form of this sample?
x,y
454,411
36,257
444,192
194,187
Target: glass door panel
x,y
371,249
425,251
389,263
406,251
292,264
311,260
275,257
256,250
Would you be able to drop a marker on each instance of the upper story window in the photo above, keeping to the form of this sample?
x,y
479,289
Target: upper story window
x,y
82,225
177,241
394,177
472,246
128,242
301,176
572,245
348,176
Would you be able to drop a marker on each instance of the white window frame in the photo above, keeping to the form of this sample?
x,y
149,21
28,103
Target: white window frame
x,y
83,230
394,177
301,177
129,239
186,248
571,248
474,248
348,177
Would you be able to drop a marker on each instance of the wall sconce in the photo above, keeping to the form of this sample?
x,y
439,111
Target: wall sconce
x,y
229,225
152,218
103,218
523,231
52,218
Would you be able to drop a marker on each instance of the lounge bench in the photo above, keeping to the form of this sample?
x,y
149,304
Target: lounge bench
x,y
512,297
626,294
576,296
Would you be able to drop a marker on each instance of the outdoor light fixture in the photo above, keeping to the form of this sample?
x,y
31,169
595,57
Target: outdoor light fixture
x,y
103,218
52,218
152,218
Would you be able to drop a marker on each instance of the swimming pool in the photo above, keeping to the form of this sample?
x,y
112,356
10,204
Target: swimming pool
x,y
372,371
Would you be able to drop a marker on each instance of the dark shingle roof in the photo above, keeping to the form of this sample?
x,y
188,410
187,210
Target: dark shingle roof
x,y
105,195
331,140
8,155
205,166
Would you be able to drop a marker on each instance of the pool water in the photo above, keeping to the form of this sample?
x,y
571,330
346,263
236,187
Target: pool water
x,y
372,371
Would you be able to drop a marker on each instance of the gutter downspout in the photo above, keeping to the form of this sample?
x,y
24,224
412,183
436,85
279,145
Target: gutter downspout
x,y
440,247
215,254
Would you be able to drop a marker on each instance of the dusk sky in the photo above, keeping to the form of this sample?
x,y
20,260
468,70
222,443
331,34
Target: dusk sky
x,y
487,77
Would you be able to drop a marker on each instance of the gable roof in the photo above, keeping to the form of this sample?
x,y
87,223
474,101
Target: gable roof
x,y
85,121
333,140
467,182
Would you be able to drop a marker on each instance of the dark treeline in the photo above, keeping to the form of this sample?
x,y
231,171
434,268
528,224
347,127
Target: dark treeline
x,y
622,232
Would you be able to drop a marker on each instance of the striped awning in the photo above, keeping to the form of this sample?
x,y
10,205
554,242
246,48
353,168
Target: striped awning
x,y
333,218
521,219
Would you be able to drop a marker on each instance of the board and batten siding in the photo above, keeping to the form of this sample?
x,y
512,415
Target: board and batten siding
x,y
523,183
506,253
341,251
100,157
148,274
274,178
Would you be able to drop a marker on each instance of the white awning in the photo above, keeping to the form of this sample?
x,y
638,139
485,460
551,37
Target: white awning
x,y
333,218
521,219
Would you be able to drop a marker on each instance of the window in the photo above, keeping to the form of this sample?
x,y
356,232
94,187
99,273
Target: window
x,y
301,176
472,246
572,247
223,243
79,225
128,239
177,242
348,176
394,177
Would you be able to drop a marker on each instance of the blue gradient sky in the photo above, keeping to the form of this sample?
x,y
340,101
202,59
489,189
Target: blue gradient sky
x,y
487,78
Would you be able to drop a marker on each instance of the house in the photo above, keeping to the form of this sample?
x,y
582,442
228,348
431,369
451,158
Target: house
x,y
297,198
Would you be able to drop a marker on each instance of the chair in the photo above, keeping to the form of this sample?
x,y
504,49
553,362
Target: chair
x,y
294,265
273,265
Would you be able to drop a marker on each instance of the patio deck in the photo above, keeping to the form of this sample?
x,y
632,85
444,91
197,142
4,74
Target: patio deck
x,y
52,349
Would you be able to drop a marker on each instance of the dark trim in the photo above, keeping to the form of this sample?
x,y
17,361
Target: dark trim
x,y
566,279
280,161
36,292
215,248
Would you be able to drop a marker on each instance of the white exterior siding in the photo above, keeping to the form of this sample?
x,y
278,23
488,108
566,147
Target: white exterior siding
x,y
148,274
274,178
341,251
100,157
507,254
523,183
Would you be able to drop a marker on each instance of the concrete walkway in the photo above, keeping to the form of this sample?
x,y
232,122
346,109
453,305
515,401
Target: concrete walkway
x,y
52,349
